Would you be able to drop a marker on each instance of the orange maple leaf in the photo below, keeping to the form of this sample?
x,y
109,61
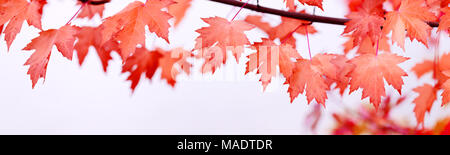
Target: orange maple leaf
x,y
317,3
411,16
437,67
172,63
343,68
257,21
128,26
16,12
91,36
312,73
444,24
288,25
366,22
63,38
370,71
422,68
424,102
89,11
446,93
268,57
287,66
223,33
285,30
290,4
179,9
367,45
145,61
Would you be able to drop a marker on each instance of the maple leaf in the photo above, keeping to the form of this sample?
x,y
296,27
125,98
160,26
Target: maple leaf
x,y
367,45
424,102
172,63
354,5
411,16
223,33
91,36
18,11
128,26
284,31
265,60
317,3
142,61
287,53
145,61
348,45
446,93
438,68
366,22
288,25
444,24
213,56
257,21
179,9
373,68
422,68
89,11
268,57
290,4
63,38
343,68
312,73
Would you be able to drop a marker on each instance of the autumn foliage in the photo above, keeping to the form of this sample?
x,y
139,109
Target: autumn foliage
x,y
374,26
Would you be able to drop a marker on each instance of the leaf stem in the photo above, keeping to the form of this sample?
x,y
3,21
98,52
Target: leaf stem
x,y
307,39
240,9
82,6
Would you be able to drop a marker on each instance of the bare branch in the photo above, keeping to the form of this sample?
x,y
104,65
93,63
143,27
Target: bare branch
x,y
296,15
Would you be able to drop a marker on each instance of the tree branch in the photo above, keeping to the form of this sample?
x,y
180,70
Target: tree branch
x,y
295,15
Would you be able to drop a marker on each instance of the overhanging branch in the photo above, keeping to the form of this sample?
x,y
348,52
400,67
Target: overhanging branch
x,y
296,15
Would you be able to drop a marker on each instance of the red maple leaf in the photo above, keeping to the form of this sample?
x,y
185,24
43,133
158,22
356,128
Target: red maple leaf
x,y
18,11
411,16
89,11
444,24
366,22
179,9
142,61
63,38
128,26
268,57
309,76
424,102
145,61
343,68
91,36
173,63
223,33
317,3
370,71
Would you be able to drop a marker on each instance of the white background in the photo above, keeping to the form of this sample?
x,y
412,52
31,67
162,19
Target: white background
x,y
85,100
